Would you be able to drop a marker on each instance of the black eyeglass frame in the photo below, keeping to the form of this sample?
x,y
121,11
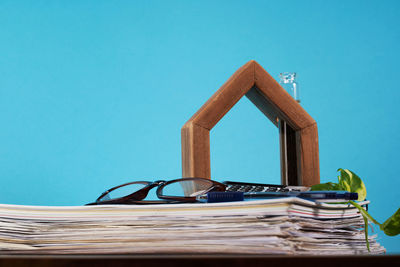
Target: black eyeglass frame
x,y
138,196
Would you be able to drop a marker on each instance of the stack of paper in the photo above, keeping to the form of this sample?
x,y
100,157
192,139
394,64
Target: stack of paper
x,y
276,226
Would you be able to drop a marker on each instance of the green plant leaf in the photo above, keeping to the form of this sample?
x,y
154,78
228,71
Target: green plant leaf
x,y
391,226
349,181
344,180
326,187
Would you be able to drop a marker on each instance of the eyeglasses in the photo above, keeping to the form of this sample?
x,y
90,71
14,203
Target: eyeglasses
x,y
174,191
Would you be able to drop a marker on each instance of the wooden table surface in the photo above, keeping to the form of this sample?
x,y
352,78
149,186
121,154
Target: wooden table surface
x,y
196,260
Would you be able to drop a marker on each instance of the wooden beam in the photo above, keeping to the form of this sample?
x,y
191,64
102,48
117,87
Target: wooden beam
x,y
300,149
226,97
309,155
195,151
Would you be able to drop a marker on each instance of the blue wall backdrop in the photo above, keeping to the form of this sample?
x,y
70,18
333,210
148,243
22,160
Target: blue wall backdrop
x,y
94,93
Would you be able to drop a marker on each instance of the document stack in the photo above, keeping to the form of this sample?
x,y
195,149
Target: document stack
x,y
285,226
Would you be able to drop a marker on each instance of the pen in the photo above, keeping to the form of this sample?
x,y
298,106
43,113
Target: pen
x,y
212,197
314,195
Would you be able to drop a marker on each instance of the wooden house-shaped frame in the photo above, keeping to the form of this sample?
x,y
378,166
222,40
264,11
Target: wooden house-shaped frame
x,y
299,134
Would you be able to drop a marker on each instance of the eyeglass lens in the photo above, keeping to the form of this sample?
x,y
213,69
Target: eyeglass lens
x,y
186,188
123,191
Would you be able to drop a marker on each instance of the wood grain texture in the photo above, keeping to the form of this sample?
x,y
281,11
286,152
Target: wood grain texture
x,y
226,97
271,99
309,156
195,260
195,151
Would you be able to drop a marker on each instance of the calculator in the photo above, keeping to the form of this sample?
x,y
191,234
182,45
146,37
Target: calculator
x,y
255,187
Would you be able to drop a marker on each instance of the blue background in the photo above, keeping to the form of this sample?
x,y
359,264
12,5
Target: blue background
x,y
94,93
